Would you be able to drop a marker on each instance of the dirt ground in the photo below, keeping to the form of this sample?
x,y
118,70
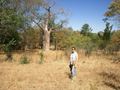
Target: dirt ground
x,y
93,73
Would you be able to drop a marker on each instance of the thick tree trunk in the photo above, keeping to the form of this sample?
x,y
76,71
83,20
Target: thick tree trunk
x,y
46,41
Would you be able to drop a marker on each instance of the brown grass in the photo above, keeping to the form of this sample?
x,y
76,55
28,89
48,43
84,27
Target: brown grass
x,y
93,73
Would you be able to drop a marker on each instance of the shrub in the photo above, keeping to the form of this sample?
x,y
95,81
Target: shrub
x,y
24,60
41,57
8,49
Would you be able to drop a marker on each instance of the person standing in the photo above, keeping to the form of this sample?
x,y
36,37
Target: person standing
x,y
73,59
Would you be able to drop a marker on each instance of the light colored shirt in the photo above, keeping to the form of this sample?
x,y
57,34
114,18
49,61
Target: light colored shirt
x,y
73,57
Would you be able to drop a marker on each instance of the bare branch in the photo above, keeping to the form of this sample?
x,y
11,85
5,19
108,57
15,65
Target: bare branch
x,y
38,25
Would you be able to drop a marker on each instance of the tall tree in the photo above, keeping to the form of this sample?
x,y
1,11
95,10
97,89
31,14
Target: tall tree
x,y
107,32
86,30
40,13
10,22
105,36
114,10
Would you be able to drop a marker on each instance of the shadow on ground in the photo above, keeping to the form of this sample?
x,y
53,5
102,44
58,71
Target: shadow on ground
x,y
111,79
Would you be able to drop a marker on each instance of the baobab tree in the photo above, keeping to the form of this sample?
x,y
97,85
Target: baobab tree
x,y
50,25
41,13
46,22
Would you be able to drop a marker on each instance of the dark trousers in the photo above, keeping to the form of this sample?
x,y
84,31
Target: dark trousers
x,y
71,66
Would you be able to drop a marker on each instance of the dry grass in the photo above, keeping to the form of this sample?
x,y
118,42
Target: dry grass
x,y
92,73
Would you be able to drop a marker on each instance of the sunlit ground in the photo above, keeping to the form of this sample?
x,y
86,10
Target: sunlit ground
x,y
93,73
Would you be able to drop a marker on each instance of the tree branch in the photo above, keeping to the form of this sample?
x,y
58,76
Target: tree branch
x,y
37,23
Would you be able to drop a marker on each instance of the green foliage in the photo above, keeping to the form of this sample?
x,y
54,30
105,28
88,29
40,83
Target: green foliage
x,y
116,37
24,60
109,41
107,32
114,9
17,16
67,38
89,48
31,38
10,22
8,47
114,45
86,30
113,12
105,37
9,25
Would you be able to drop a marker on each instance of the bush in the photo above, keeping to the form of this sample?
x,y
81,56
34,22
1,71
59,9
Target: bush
x,y
24,60
41,57
8,49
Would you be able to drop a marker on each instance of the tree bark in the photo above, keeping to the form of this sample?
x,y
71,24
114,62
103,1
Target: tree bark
x,y
46,41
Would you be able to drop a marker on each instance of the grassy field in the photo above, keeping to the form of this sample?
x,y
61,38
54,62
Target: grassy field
x,y
93,73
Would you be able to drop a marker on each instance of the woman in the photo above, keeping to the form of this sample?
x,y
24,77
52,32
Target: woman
x,y
73,59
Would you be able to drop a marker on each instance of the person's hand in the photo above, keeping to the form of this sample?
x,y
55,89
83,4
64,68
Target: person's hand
x,y
73,64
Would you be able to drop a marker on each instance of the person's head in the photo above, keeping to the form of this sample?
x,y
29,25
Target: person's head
x,y
73,49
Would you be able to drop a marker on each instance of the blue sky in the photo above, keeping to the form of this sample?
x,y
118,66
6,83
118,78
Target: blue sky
x,y
85,11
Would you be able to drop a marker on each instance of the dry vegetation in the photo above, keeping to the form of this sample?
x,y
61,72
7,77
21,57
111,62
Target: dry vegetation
x,y
93,73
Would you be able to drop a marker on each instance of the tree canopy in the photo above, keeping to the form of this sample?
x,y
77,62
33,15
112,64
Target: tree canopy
x,y
86,30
